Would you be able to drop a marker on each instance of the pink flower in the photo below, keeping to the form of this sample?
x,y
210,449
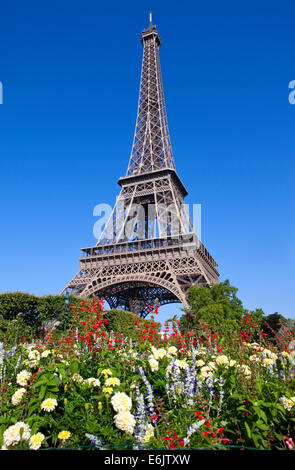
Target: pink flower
x,y
289,442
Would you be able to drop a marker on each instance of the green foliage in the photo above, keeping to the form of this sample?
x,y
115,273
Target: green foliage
x,y
24,315
217,307
127,323
13,303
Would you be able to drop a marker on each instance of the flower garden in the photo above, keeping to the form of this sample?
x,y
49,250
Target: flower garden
x,y
91,388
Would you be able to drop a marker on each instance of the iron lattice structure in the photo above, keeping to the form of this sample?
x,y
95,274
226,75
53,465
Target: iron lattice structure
x,y
164,256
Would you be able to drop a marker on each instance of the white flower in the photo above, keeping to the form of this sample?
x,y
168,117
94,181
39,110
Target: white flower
x,y
121,402
205,372
153,363
49,404
158,353
212,365
268,362
45,354
149,432
287,403
16,433
34,355
232,363
172,350
285,354
17,396
23,377
182,364
200,363
179,388
222,360
36,441
93,382
254,358
112,382
125,421
77,378
245,370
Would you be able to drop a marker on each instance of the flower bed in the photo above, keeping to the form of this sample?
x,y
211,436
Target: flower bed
x,y
93,388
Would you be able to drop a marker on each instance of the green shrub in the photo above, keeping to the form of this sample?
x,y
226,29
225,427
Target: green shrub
x,y
127,323
24,315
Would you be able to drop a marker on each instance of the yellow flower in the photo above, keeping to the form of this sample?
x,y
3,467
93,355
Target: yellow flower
x,y
36,441
107,391
99,405
112,382
64,435
106,372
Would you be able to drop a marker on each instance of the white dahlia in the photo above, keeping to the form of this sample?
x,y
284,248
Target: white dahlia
x,y
121,402
125,421
23,377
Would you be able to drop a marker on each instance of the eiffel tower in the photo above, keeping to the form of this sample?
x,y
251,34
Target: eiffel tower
x,y
159,256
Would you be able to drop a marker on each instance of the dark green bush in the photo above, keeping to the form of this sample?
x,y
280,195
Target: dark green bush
x,y
127,323
24,315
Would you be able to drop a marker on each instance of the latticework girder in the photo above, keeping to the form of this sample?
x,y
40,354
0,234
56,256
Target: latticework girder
x,y
161,257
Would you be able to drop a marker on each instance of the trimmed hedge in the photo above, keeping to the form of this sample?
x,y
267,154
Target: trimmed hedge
x,y
122,321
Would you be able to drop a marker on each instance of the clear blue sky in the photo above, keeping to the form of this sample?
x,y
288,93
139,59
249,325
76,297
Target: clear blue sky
x,y
70,72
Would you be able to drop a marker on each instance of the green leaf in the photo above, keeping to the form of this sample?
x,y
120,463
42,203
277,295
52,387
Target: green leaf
x,y
42,392
248,430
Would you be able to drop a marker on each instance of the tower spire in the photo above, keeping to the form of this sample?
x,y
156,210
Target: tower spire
x,y
151,19
151,149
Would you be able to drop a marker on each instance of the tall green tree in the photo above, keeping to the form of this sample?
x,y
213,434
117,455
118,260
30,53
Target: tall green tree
x,y
217,306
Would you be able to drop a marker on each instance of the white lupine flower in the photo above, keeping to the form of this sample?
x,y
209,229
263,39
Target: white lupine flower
x,y
211,365
245,370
